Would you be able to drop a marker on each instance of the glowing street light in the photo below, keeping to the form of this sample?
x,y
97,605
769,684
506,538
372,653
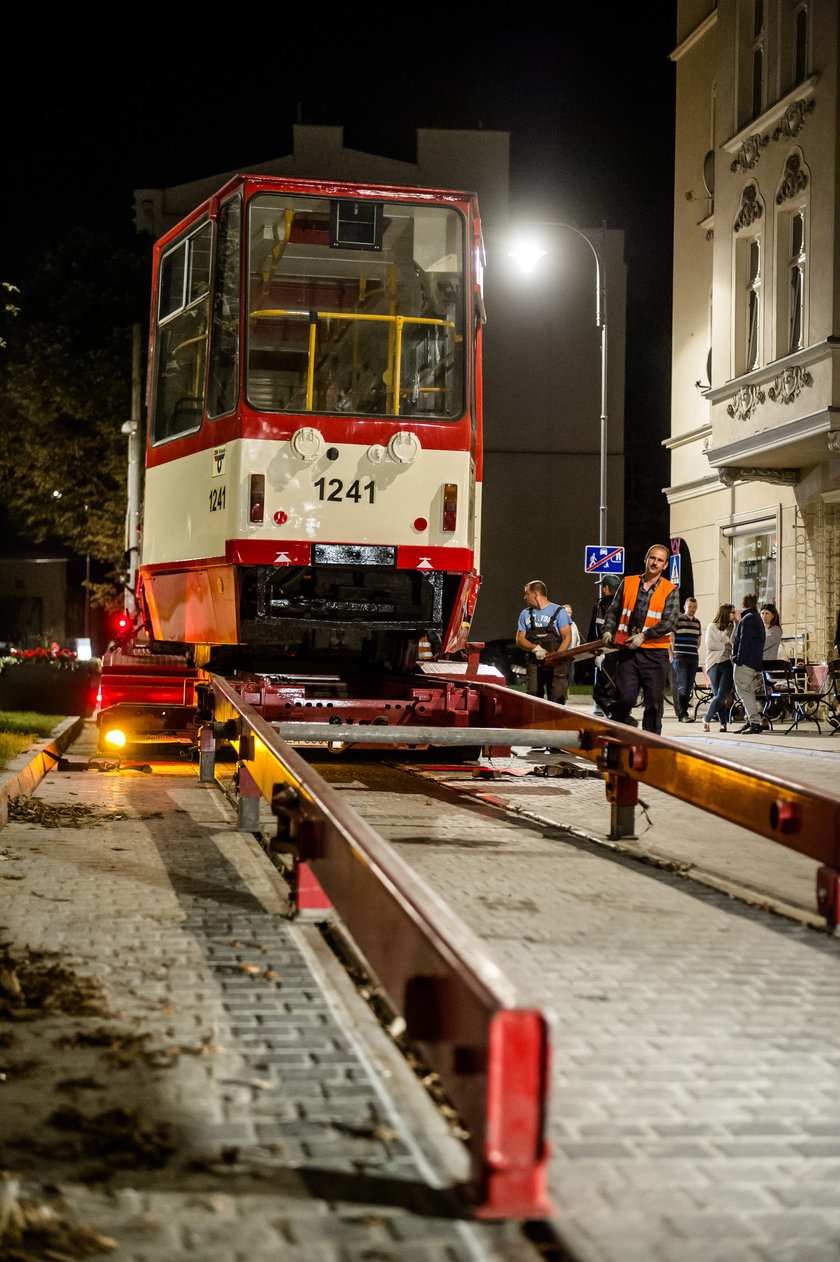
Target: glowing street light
x,y
527,252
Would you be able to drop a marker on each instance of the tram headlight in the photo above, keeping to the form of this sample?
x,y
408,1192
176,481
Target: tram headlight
x,y
450,506
116,738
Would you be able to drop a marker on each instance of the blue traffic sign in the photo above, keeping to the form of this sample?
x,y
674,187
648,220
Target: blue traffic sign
x,y
674,570
601,559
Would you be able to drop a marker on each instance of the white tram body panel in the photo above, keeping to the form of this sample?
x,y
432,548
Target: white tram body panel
x,y
314,458
197,505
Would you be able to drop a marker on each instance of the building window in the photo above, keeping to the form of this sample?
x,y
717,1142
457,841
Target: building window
x,y
748,299
796,282
800,44
752,88
791,270
753,562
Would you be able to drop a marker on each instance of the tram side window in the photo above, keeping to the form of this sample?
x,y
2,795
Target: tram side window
x,y
223,386
181,349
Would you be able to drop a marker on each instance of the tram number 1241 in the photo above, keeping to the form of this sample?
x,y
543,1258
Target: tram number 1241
x,y
335,490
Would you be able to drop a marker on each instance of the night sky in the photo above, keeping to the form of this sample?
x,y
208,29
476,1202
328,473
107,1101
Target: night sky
x,y
591,127
90,115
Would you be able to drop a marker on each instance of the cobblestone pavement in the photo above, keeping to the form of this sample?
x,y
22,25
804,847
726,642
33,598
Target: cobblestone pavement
x,y
189,1073
695,1111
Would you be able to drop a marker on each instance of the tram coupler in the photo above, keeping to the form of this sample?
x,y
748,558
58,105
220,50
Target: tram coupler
x,y
828,896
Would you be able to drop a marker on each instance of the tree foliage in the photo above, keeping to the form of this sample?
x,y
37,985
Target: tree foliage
x,y
65,390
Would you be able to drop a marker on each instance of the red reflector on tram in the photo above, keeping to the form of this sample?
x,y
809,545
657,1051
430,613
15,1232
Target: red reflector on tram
x,y
450,505
257,513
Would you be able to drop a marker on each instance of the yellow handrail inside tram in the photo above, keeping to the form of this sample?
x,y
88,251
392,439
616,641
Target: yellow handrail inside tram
x,y
396,321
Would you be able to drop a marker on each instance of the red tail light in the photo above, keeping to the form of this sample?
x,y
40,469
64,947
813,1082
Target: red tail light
x,y
257,513
450,506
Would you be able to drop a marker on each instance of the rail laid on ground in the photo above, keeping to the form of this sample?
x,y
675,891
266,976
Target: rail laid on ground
x,y
491,1052
798,816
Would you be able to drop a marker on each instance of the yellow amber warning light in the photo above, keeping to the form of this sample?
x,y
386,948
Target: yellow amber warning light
x,y
116,738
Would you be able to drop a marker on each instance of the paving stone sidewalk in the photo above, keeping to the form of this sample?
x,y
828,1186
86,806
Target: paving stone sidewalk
x,y
695,1114
186,1074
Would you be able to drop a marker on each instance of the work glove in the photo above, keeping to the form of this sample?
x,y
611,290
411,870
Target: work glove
x,y
607,637
599,660
636,641
539,652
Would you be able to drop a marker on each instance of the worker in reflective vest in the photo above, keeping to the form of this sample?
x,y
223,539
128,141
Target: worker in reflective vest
x,y
641,621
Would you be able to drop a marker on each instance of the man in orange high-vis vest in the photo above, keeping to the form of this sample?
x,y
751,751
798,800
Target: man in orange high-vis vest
x,y
641,620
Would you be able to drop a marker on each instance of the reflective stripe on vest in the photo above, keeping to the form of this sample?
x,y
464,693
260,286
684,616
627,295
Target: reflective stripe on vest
x,y
656,608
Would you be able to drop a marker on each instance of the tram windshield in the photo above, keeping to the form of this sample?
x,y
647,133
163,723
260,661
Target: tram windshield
x,y
356,307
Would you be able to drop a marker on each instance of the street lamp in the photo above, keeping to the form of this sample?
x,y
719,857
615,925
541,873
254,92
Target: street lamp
x,y
527,253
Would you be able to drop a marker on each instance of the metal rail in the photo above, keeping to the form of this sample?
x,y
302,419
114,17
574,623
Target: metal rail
x,y
798,816
492,1053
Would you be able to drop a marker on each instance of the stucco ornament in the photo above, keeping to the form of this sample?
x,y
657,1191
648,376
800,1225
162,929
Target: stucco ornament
x,y
751,208
749,153
745,402
789,384
793,120
794,179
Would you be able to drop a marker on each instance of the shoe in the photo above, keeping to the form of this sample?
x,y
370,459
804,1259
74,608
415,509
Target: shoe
x,y
707,728
723,727
750,729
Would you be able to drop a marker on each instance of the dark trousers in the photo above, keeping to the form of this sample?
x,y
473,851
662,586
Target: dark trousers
x,y
551,682
685,671
646,669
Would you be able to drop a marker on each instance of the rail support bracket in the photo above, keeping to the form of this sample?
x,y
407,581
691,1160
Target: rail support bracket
x,y
206,755
828,896
248,807
512,1169
623,797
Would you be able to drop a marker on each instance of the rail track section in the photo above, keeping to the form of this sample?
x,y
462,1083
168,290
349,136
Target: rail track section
x,y
490,1049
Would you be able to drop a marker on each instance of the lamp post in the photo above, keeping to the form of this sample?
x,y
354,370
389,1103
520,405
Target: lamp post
x,y
527,254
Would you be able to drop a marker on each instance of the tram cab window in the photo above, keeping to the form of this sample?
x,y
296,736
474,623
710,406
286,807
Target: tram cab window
x,y
181,347
359,314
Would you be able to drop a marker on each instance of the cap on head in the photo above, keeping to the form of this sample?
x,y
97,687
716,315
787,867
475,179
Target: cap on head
x,y
612,581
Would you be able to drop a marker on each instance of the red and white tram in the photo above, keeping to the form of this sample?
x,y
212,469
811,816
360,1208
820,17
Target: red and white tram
x,y
313,463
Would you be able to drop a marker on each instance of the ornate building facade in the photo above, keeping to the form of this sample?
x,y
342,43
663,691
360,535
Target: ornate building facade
x,y
755,442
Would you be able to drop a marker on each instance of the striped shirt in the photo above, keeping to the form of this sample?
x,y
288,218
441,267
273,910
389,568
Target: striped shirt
x,y
687,636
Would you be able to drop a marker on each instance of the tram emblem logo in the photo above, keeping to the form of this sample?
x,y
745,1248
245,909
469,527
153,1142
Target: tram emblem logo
x,y
425,563
219,461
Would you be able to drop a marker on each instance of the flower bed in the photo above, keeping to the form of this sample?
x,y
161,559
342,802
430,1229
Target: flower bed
x,y
52,683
